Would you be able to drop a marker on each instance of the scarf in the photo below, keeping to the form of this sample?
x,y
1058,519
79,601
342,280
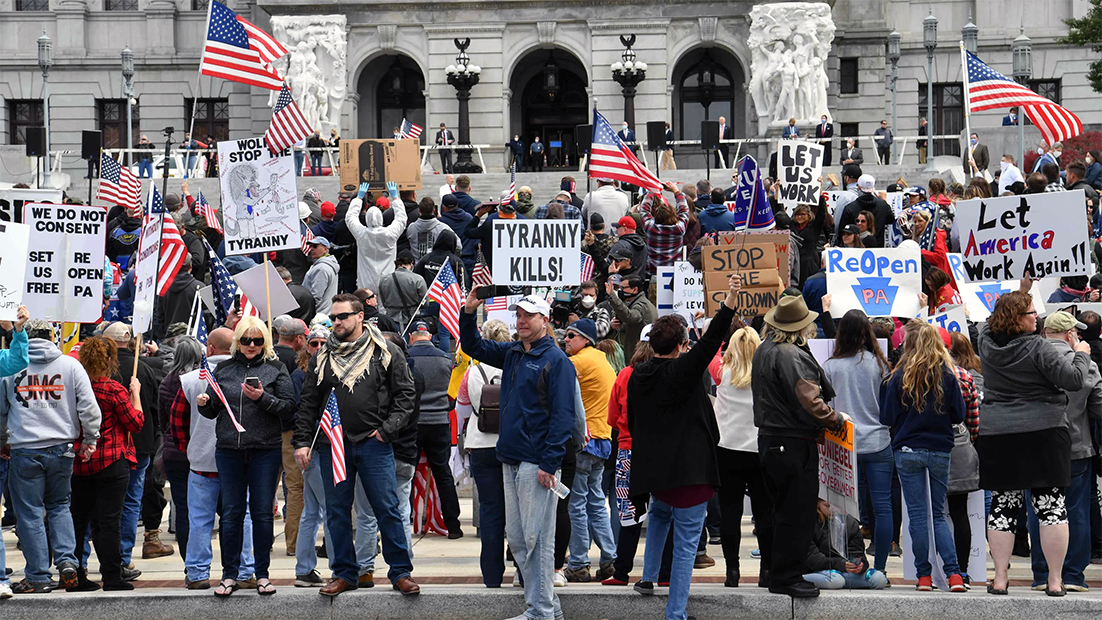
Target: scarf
x,y
349,361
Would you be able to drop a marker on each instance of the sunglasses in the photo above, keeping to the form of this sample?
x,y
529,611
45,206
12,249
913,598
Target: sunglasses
x,y
314,343
570,335
342,316
245,341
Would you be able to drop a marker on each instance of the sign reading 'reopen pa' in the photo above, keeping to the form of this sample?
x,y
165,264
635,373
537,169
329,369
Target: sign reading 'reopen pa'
x,y
880,282
537,252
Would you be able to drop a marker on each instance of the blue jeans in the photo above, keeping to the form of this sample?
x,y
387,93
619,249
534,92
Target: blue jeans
x,y
203,497
248,483
367,526
40,488
1077,499
300,157
486,471
913,465
687,524
834,580
3,558
313,515
145,169
589,513
876,468
315,164
373,462
530,510
132,509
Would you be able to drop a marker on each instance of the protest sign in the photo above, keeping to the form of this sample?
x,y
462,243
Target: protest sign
x,y
1039,235
12,201
833,198
688,290
823,348
251,283
377,161
787,263
664,293
953,319
838,471
259,197
13,255
979,298
799,165
881,281
498,308
145,281
65,268
756,264
896,200
537,252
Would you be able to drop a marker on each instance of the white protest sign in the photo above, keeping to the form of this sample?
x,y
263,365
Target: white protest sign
x,y
537,252
251,283
64,270
953,319
259,197
498,308
664,293
897,201
12,201
13,255
833,198
799,165
145,282
1039,235
823,348
980,298
880,281
838,471
688,290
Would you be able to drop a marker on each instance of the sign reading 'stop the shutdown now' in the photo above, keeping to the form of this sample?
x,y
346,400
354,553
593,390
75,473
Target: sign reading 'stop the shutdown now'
x,y
537,252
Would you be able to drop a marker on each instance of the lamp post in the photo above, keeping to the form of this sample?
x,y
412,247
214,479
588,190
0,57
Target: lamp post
x,y
1022,51
929,41
464,76
628,73
894,53
45,61
128,92
970,34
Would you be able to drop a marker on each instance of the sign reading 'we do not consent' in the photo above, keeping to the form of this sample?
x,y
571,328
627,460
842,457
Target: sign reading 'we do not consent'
x,y
537,252
64,268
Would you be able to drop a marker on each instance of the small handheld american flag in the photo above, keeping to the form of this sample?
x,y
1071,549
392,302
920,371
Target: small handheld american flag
x,y
410,130
209,213
512,198
445,290
288,125
117,184
331,426
307,237
205,372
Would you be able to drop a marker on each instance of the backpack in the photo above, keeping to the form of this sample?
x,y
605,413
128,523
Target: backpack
x,y
489,407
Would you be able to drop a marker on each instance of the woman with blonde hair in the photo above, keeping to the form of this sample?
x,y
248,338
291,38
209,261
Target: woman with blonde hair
x,y
921,401
249,443
737,456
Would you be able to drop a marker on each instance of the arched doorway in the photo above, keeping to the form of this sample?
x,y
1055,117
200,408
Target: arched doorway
x,y
391,88
707,84
549,100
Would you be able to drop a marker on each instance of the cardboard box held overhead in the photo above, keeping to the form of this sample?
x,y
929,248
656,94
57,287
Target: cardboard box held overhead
x,y
379,161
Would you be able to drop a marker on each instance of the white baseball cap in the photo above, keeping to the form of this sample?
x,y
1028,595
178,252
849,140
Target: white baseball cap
x,y
534,304
866,183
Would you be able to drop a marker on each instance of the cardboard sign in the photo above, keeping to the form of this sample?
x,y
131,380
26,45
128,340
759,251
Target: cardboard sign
x,y
1039,235
756,265
14,239
259,197
64,271
664,293
838,471
953,319
881,281
799,165
377,161
787,263
980,298
688,290
537,252
12,201
896,200
251,283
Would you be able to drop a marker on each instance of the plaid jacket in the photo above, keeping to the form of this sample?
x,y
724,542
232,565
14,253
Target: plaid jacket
x,y
971,401
664,240
570,212
120,419
179,420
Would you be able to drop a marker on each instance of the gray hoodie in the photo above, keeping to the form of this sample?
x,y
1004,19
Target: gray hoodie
x,y
321,281
422,235
50,402
1082,405
200,446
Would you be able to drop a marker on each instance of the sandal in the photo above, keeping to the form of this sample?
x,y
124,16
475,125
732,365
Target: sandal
x,y
225,588
265,587
991,589
1061,592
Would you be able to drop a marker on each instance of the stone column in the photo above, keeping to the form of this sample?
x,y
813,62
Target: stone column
x,y
350,116
160,22
70,28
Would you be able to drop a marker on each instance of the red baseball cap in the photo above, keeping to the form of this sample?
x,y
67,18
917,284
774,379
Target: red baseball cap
x,y
328,209
945,337
383,202
626,222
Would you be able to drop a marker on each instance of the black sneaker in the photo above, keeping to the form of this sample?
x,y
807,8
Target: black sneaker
x,y
68,576
130,574
455,534
800,589
309,580
27,587
646,588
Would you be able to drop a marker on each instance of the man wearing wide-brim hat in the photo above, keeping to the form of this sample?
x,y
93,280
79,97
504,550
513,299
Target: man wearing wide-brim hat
x,y
790,410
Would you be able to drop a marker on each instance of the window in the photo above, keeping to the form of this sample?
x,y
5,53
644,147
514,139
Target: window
x,y
32,5
1049,89
948,116
120,5
846,130
849,80
111,117
212,118
706,91
199,5
23,113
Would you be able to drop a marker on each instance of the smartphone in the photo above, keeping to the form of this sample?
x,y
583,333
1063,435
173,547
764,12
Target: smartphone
x,y
486,292
252,382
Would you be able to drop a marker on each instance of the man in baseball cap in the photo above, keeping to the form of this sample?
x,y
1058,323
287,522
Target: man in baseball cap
x,y
1061,322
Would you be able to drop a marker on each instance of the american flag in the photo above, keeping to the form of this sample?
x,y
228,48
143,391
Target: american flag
x,y
224,289
929,235
331,426
209,213
237,51
990,90
512,198
445,291
480,275
587,267
307,237
410,130
205,372
495,304
117,184
609,158
172,249
288,125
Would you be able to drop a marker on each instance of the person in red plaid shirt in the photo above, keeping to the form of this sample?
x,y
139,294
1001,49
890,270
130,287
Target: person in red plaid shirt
x,y
100,481
664,227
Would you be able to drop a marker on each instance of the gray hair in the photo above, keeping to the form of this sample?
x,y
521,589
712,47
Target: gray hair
x,y
496,330
188,355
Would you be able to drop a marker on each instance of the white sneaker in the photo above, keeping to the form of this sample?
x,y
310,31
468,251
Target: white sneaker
x,y
560,579
5,591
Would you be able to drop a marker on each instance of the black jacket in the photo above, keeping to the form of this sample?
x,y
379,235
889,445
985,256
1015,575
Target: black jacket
x,y
175,306
809,242
296,262
145,440
380,320
262,418
442,251
821,556
307,307
790,392
638,247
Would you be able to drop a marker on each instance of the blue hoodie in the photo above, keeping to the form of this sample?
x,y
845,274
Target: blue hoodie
x,y
716,218
532,431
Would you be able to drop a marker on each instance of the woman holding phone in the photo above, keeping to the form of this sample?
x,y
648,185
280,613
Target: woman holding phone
x,y
249,443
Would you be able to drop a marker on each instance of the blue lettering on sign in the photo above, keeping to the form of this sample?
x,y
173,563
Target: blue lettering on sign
x,y
869,264
876,295
991,292
943,321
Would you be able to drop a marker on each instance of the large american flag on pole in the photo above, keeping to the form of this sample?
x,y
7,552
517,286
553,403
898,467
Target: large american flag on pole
x,y
117,184
610,158
205,372
990,90
331,426
237,51
445,290
224,290
172,248
288,125
410,130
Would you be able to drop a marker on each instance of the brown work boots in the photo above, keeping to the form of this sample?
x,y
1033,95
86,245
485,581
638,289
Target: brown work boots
x,y
154,548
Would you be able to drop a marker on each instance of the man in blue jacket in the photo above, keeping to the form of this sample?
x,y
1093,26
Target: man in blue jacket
x,y
538,392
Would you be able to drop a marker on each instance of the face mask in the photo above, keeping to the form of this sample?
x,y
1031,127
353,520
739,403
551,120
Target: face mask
x,y
974,141
1090,160
625,127
1057,154
1005,165
588,301
624,295
1040,151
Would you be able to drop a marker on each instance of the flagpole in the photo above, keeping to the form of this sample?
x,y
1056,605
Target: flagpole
x,y
415,310
967,110
195,99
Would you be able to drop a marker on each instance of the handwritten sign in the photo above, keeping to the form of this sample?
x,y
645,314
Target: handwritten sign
x,y
881,281
787,263
537,252
12,201
64,269
688,290
980,298
13,255
756,265
838,471
953,319
1039,235
799,165
259,197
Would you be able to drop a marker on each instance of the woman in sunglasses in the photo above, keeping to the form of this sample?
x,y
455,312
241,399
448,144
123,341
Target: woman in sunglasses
x,y
259,394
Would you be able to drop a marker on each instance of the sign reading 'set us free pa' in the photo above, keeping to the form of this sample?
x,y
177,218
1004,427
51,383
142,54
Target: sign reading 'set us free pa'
x,y
537,252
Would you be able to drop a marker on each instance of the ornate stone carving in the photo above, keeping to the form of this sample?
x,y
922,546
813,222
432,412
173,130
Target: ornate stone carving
x,y
388,36
708,26
547,33
790,43
316,66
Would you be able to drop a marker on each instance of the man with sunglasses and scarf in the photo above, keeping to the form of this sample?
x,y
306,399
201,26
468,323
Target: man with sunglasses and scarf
x,y
375,395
